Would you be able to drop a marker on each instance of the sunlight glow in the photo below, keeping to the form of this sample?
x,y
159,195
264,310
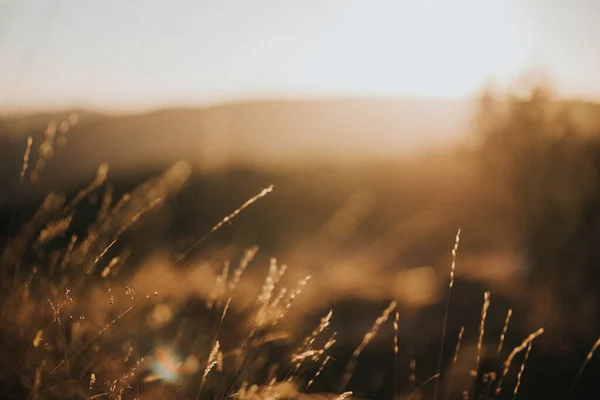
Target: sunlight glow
x,y
196,54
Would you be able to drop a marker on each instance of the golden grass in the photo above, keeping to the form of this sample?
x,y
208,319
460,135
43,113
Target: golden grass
x,y
412,374
67,355
484,312
588,358
366,340
447,311
226,220
511,356
26,158
521,371
396,326
504,330
454,360
318,373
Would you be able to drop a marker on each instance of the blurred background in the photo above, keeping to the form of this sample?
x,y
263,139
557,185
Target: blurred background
x,y
384,126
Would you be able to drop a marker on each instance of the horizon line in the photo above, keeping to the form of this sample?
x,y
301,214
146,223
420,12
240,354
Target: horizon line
x,y
33,110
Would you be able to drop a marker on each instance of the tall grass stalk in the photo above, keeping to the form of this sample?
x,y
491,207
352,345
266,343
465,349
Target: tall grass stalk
x,y
446,313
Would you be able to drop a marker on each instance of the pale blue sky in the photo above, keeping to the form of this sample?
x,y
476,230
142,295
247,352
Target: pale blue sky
x,y
111,54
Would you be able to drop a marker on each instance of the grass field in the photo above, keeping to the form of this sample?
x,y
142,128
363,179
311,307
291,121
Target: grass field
x,y
175,283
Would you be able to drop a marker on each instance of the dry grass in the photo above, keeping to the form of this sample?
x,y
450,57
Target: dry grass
x,y
511,356
454,360
70,328
447,312
366,340
504,330
484,312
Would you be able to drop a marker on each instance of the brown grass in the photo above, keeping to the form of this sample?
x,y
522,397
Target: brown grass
x,y
70,331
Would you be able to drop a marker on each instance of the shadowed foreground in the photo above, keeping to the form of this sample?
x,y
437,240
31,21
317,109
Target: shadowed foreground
x,y
125,289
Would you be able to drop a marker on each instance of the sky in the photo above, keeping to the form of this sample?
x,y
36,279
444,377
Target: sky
x,y
115,54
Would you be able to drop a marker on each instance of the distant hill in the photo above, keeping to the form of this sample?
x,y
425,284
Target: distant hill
x,y
282,130
266,133
270,134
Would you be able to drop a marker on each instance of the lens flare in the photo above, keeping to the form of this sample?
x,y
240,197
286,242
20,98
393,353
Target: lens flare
x,y
166,364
